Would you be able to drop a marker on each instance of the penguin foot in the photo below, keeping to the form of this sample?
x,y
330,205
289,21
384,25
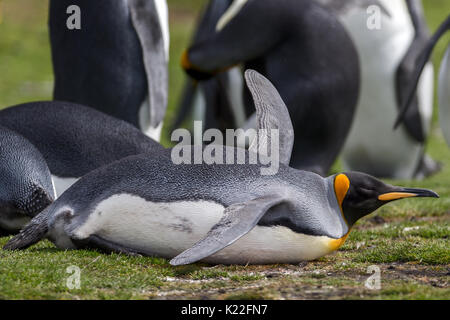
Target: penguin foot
x,y
427,167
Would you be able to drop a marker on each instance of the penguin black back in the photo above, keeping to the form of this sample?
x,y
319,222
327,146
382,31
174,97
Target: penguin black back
x,y
113,63
75,139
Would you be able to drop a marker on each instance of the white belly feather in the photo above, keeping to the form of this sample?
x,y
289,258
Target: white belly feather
x,y
167,229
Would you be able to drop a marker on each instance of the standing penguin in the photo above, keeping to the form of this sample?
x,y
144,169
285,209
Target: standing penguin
x,y
304,50
228,214
74,139
117,61
218,102
25,180
389,36
444,82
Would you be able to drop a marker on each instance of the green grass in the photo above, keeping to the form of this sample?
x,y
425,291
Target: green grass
x,y
410,244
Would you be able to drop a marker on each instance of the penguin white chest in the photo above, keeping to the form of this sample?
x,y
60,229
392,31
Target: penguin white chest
x,y
372,144
167,229
444,96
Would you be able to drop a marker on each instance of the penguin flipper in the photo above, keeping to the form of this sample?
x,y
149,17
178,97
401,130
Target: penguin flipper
x,y
237,221
144,17
423,59
271,113
32,233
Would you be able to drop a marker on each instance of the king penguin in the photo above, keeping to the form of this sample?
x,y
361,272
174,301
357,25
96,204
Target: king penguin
x,y
227,214
444,82
25,179
306,52
117,61
389,36
218,102
75,139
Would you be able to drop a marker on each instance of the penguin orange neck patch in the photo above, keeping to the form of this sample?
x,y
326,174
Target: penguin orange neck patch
x,y
337,243
341,186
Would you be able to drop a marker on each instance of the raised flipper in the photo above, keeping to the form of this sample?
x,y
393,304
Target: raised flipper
x,y
271,113
146,21
424,58
237,221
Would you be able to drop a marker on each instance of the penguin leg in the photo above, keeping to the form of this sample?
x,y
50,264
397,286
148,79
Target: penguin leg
x,y
427,167
96,242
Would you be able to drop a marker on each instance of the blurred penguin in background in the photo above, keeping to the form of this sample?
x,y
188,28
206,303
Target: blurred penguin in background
x,y
389,36
444,81
218,101
113,56
302,48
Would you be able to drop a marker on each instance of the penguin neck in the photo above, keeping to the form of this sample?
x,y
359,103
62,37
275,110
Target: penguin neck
x,y
334,206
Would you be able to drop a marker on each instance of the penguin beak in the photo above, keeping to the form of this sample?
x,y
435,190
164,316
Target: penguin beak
x,y
403,193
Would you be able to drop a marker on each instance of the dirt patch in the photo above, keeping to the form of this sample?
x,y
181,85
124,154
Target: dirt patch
x,y
316,280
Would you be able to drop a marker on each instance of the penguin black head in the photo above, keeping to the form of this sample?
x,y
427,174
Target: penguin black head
x,y
360,194
19,206
26,186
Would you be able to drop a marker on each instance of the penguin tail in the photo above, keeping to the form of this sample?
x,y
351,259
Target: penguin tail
x,y
422,61
32,233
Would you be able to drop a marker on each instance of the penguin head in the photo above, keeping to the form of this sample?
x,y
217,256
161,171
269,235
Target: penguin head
x,y
19,203
360,194
23,196
26,187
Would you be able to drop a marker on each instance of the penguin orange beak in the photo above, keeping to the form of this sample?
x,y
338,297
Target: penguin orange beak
x,y
407,193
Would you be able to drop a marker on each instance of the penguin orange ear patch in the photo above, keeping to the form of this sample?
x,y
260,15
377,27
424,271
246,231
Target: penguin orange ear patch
x,y
185,63
341,186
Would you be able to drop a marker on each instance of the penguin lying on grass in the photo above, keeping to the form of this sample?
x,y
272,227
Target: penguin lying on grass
x,y
228,214
75,139
444,82
26,183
